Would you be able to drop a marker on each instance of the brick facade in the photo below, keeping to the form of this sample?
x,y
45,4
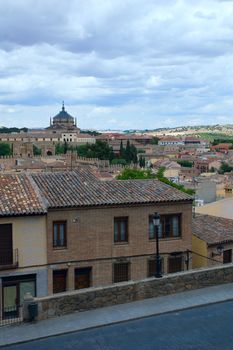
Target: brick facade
x,y
90,241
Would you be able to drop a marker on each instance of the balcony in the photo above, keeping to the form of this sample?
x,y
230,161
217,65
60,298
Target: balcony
x,y
9,260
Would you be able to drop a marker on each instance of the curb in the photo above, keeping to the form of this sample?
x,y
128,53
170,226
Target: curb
x,y
116,322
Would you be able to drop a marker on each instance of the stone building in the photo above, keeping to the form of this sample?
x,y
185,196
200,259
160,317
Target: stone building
x,y
63,128
64,121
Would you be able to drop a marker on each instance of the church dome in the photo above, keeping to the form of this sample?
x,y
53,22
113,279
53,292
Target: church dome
x,y
63,121
63,117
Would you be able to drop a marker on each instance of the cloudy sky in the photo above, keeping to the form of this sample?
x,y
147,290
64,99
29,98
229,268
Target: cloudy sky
x,y
117,64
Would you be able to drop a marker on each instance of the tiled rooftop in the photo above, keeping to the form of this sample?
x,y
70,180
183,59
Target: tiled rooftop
x,y
30,194
68,189
212,229
18,196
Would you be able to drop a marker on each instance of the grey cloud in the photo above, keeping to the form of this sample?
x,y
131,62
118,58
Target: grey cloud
x,y
163,60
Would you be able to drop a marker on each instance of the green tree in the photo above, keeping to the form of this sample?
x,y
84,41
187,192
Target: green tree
x,y
5,149
122,151
5,130
59,148
66,147
185,163
36,151
134,154
225,168
99,150
142,162
90,132
128,152
129,174
119,161
155,140
160,176
212,170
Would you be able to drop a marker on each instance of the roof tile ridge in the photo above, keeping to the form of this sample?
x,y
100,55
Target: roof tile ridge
x,y
43,201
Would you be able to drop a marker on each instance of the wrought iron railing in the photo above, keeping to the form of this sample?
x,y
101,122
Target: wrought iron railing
x,y
9,260
10,315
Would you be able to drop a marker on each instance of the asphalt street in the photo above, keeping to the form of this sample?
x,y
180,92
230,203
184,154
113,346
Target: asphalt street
x,y
208,327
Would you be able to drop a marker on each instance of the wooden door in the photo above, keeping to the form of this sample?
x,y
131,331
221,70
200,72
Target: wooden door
x,y
59,281
83,278
6,249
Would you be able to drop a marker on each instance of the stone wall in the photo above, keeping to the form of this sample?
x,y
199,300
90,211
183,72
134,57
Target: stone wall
x,y
93,298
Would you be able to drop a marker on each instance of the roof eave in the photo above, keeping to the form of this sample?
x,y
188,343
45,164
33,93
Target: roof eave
x,y
94,205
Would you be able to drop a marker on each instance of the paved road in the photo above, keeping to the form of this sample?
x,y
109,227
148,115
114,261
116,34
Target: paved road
x,y
209,327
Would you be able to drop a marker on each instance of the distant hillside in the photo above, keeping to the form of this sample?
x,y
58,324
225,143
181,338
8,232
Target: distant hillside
x,y
205,131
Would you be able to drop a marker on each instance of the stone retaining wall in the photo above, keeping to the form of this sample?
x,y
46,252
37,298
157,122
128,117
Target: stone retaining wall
x,y
92,298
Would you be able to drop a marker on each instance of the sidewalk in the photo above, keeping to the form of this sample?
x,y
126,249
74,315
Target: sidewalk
x,y
115,314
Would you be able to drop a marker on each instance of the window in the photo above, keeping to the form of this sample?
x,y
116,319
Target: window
x,y
121,272
170,226
59,281
121,229
14,289
174,264
59,234
6,245
152,267
227,256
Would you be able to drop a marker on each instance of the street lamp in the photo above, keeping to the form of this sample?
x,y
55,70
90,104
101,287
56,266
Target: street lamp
x,y
156,223
219,250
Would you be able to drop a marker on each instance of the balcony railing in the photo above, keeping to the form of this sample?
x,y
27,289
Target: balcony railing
x,y
9,261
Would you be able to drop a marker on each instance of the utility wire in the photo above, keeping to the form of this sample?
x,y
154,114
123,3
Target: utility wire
x,y
203,256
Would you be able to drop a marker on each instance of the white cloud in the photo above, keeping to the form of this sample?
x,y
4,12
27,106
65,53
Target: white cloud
x,y
116,62
153,81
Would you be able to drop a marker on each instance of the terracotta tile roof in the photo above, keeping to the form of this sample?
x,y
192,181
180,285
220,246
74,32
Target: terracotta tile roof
x,y
87,173
31,194
213,229
18,196
170,138
69,189
222,145
192,138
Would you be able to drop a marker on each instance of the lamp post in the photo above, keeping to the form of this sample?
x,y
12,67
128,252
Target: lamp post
x,y
156,223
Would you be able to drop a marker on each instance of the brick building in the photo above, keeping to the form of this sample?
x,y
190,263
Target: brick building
x,y
101,232
89,232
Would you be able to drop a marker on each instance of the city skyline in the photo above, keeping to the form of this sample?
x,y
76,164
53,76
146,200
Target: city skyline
x,y
116,64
